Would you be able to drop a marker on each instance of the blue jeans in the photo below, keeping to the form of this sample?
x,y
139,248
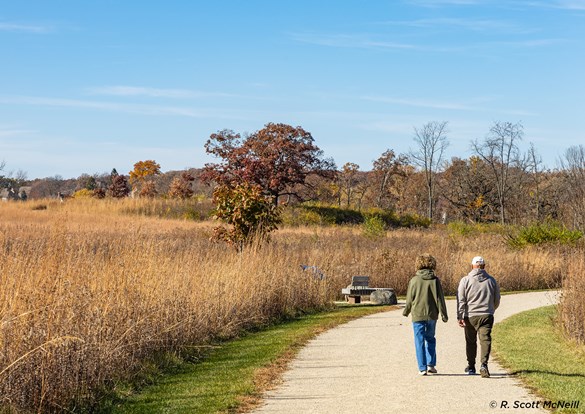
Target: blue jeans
x,y
425,343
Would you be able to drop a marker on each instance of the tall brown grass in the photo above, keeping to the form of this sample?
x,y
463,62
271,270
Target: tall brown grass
x,y
572,305
87,292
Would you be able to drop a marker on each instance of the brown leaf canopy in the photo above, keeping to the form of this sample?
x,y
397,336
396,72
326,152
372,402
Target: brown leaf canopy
x,y
276,158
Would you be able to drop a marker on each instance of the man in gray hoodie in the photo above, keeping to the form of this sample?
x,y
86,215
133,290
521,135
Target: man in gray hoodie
x,y
478,296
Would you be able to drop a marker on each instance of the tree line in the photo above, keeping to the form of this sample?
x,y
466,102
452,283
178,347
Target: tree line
x,y
498,183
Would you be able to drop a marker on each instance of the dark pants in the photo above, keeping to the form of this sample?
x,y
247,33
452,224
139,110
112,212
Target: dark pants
x,y
478,326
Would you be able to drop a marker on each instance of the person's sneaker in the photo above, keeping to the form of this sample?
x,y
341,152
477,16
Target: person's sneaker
x,y
431,369
484,371
470,370
422,372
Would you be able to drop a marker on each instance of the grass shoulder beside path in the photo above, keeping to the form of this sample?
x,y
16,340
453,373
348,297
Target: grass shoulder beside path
x,y
234,375
529,345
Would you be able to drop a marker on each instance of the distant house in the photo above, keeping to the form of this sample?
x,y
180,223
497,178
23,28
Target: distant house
x,y
7,194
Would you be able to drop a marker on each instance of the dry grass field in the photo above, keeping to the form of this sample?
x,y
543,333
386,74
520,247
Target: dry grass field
x,y
87,291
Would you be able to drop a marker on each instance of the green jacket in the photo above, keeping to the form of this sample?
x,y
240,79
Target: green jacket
x,y
425,298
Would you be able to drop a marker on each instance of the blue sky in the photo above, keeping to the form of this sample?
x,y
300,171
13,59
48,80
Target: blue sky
x,y
87,86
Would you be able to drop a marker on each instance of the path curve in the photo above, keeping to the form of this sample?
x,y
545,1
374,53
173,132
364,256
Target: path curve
x,y
369,365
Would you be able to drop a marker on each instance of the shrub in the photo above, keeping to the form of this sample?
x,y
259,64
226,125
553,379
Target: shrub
x,y
99,193
468,229
315,214
250,214
181,186
83,193
414,220
374,227
298,216
148,189
543,233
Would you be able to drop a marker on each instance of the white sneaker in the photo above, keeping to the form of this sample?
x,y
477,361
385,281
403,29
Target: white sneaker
x,y
422,372
431,369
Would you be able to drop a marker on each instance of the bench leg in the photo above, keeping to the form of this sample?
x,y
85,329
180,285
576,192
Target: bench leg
x,y
354,299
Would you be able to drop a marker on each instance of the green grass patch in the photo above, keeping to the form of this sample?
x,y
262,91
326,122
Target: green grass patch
x,y
530,345
236,372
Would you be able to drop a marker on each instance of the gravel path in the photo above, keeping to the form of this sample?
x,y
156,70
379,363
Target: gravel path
x,y
369,365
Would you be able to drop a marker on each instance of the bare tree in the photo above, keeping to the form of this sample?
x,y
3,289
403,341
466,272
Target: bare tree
x,y
431,142
535,167
348,179
573,166
385,167
500,151
466,186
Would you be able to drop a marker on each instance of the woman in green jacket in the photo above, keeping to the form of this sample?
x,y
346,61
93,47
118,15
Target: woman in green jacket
x,y
425,300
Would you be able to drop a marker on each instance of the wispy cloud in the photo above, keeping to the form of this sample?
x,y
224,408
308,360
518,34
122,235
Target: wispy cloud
x,y
357,41
421,103
349,41
553,4
571,4
439,3
475,25
142,109
24,28
526,43
13,132
575,5
401,128
475,104
121,90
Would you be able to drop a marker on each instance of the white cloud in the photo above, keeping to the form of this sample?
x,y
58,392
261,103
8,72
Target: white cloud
x,y
142,109
476,25
154,92
12,132
349,41
571,4
24,28
439,3
471,105
555,4
422,103
359,41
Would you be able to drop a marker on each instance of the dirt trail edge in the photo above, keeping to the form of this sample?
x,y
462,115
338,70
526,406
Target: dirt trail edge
x,y
369,365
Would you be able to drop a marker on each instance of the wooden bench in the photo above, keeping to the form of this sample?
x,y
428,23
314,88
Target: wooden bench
x,y
360,286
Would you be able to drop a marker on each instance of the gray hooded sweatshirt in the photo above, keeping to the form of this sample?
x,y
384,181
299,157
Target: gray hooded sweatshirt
x,y
478,294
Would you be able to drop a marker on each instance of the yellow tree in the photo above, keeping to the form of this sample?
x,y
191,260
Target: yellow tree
x,y
143,170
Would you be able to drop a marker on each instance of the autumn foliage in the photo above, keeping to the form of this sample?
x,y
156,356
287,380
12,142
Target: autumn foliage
x,y
276,159
181,186
250,214
119,187
144,169
140,177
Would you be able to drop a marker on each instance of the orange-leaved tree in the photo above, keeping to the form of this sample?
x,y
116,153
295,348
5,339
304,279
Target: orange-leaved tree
x,y
142,173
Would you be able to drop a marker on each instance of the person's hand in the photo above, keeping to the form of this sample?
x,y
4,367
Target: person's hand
x,y
462,323
445,319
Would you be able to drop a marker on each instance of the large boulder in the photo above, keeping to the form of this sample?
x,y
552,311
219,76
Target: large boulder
x,y
383,297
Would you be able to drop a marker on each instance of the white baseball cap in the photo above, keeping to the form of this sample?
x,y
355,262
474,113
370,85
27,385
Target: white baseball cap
x,y
477,260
